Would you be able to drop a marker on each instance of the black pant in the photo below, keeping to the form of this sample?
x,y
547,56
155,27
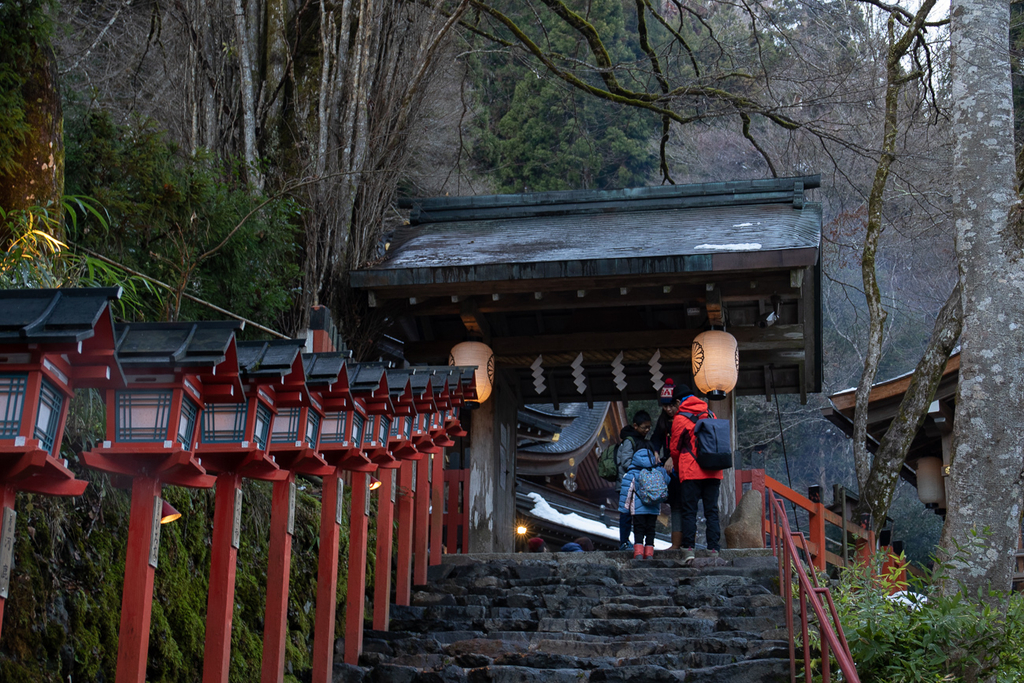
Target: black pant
x,y
694,491
625,526
643,528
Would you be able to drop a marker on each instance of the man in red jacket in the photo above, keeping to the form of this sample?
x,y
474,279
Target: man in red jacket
x,y
697,484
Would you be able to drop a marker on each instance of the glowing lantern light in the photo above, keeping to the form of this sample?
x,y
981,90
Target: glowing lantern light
x,y
478,354
715,360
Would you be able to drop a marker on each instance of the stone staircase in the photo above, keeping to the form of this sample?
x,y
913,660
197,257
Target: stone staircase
x,y
571,617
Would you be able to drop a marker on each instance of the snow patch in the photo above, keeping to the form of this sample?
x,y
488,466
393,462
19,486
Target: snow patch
x,y
743,246
543,510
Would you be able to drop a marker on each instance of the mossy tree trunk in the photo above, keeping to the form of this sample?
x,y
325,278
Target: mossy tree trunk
x,y
37,174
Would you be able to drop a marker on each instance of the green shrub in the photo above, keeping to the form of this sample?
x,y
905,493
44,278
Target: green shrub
x,y
928,636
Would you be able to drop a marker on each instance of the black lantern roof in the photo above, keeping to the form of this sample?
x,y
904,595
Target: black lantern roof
x,y
204,343
366,377
324,367
268,358
418,381
53,316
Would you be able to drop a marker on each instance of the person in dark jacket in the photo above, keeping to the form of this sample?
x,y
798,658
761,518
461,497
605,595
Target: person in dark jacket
x,y
670,398
698,484
644,516
629,438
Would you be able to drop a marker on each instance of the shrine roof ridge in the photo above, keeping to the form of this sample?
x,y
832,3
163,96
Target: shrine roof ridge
x,y
532,204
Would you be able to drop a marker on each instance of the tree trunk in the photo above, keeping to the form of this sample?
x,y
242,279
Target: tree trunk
x,y
877,495
984,487
39,180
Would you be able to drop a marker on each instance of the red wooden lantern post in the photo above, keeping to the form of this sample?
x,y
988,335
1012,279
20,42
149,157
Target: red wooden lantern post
x,y
51,341
409,391
340,442
442,439
152,431
233,444
294,444
427,451
369,385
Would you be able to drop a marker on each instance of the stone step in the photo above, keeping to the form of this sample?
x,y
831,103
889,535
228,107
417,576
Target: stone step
x,y
613,627
522,674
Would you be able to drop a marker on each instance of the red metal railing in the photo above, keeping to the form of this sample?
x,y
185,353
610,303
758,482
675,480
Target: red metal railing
x,y
819,518
833,641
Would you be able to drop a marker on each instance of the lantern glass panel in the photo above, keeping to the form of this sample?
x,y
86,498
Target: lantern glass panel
x,y
382,429
408,426
312,428
357,428
263,420
224,422
333,428
12,403
187,422
286,426
50,403
396,428
142,415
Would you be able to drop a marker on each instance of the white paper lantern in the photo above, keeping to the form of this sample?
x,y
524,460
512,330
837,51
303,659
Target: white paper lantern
x,y
480,355
715,360
931,489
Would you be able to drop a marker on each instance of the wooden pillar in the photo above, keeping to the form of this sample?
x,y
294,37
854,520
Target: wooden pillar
x,y
7,517
437,506
275,620
220,603
403,570
816,522
356,595
139,569
728,496
385,535
422,524
327,577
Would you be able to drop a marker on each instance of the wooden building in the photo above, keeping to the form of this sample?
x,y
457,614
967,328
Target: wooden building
x,y
593,296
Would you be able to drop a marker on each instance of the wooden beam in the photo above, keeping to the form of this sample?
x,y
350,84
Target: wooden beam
x,y
713,303
475,322
768,281
788,337
681,295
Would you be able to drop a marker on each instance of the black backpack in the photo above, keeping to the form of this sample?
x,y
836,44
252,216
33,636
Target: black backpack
x,y
713,441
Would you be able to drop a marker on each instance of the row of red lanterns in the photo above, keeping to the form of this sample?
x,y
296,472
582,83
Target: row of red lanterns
x,y
188,405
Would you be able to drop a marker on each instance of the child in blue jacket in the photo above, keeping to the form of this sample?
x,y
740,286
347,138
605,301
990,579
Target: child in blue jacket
x,y
644,516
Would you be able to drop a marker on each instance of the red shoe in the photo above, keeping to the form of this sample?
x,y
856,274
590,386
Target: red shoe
x,y
649,552
638,551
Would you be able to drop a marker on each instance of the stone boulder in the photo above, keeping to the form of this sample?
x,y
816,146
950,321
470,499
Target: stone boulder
x,y
745,526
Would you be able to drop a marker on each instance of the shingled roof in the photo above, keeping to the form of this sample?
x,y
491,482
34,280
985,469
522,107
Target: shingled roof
x,y
644,231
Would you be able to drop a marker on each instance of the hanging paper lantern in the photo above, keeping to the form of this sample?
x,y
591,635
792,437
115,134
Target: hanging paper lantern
x,y
715,360
480,355
931,489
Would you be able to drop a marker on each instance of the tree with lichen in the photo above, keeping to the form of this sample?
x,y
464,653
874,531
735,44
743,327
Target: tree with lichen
x,y
985,489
